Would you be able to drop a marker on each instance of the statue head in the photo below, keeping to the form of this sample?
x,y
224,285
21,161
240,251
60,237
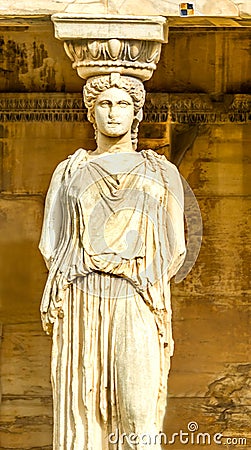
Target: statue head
x,y
95,86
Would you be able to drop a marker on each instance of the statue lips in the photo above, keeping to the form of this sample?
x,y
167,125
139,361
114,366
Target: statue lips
x,y
113,125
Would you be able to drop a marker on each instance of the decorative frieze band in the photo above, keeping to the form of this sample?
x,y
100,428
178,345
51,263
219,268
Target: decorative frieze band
x,y
159,107
197,108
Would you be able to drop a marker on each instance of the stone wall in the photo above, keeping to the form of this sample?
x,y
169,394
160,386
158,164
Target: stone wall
x,y
199,104
212,306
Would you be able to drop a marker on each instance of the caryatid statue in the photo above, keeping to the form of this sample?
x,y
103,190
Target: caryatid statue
x,y
112,238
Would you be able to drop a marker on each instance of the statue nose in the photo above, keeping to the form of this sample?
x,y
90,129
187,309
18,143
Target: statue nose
x,y
112,111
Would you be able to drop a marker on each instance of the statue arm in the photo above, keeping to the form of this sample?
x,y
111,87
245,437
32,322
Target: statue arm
x,y
176,215
53,215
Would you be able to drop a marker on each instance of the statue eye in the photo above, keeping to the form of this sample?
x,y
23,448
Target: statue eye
x,y
124,103
104,103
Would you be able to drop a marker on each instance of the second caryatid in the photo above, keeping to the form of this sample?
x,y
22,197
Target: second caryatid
x,y
113,237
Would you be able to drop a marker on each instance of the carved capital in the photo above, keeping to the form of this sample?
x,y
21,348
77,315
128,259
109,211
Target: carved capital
x,y
101,57
99,46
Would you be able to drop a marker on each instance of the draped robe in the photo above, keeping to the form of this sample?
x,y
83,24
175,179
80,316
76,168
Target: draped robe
x,y
112,238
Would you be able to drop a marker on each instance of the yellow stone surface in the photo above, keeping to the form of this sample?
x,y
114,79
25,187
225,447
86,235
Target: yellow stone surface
x,y
196,59
26,165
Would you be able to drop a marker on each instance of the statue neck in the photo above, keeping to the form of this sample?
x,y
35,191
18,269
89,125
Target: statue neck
x,y
113,144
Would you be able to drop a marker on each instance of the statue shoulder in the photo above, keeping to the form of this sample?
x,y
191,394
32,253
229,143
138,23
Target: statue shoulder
x,y
169,173
66,167
161,160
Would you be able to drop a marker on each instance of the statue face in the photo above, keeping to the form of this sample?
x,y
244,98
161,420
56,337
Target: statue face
x,y
114,112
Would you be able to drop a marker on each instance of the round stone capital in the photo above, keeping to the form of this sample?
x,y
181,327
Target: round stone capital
x,y
106,44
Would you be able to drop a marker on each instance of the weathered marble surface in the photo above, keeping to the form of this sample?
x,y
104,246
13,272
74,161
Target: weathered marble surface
x,y
161,7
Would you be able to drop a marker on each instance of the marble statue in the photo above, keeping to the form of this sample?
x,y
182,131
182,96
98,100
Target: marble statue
x,y
112,238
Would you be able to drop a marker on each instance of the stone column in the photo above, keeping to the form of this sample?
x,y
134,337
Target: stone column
x,y
113,237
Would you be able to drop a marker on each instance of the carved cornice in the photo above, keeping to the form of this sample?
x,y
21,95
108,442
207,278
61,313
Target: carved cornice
x,y
175,108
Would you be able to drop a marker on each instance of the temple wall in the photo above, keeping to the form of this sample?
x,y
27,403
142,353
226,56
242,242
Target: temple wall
x,y
42,121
